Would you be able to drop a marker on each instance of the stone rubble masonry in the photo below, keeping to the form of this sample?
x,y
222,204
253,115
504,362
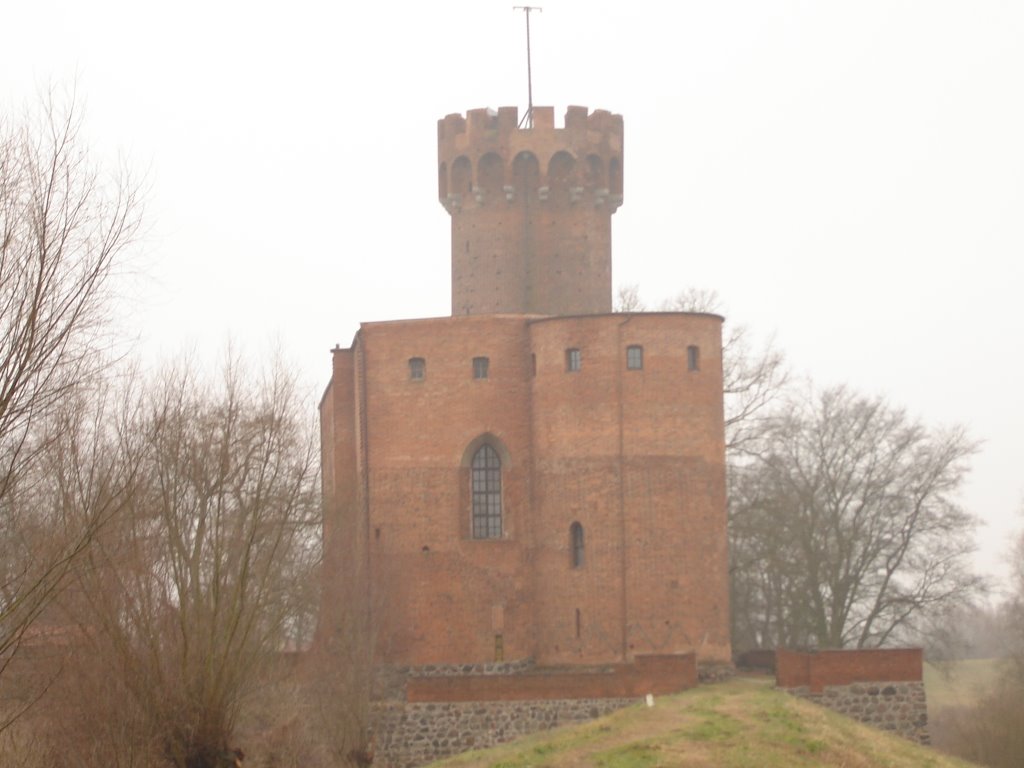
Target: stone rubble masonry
x,y
446,709
409,735
882,688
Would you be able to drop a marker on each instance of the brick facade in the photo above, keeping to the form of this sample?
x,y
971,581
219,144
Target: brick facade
x,y
531,209
635,456
600,436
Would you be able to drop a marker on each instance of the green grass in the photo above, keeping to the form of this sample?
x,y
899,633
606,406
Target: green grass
x,y
744,723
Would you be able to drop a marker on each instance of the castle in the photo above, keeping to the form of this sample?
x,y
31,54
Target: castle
x,y
535,477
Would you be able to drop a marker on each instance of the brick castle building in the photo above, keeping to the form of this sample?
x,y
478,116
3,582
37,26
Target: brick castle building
x,y
534,477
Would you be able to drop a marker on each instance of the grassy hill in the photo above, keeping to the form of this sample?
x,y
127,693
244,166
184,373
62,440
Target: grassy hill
x,y
744,723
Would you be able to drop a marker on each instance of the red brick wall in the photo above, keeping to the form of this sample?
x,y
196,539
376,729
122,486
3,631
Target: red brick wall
x,y
344,525
637,457
538,244
439,595
817,669
658,675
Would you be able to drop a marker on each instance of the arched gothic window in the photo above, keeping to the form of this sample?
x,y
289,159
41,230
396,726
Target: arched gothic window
x,y
485,474
576,544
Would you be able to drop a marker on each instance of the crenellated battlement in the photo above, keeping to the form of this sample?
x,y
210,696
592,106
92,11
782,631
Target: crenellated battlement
x,y
484,157
530,209
488,124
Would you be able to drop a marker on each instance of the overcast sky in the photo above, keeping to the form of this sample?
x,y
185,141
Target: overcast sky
x,y
849,176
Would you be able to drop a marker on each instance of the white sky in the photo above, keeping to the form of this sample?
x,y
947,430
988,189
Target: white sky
x,y
847,175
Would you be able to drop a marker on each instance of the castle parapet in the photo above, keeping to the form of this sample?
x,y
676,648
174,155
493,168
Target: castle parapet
x,y
588,148
531,209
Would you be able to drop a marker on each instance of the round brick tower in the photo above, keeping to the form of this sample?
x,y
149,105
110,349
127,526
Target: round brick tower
x,y
531,209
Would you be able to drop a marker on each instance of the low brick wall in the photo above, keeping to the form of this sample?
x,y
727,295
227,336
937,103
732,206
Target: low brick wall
x,y
816,669
408,735
883,688
657,674
389,682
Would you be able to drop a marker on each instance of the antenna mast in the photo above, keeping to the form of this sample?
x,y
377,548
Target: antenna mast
x,y
528,117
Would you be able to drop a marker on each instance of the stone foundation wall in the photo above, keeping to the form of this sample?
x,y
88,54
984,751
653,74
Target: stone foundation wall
x,y
430,712
408,735
900,708
882,687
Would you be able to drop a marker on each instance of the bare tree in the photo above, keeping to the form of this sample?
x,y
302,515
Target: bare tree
x,y
63,228
191,599
627,299
845,528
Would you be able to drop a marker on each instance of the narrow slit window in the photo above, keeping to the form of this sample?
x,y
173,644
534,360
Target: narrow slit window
x,y
634,357
573,360
481,367
576,545
693,358
417,368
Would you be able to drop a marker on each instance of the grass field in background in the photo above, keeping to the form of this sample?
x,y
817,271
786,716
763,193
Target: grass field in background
x,y
959,683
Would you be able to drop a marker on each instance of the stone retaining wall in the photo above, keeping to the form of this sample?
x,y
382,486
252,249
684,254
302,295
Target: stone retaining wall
x,y
897,707
883,688
409,735
426,713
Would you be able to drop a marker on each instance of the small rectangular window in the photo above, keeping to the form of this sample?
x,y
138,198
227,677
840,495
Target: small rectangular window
x,y
634,357
573,360
533,364
417,368
481,366
693,358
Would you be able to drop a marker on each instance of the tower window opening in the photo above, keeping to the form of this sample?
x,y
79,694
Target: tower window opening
x,y
533,364
578,624
485,482
693,358
417,368
634,357
576,545
481,367
573,360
